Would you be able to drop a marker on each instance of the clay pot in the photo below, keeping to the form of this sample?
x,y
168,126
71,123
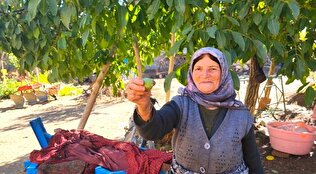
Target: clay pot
x,y
292,138
42,96
30,98
18,100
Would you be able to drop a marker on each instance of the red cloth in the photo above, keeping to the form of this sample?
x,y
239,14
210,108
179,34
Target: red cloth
x,y
97,150
24,88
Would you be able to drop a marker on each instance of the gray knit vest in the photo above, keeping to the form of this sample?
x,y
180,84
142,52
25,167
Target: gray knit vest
x,y
220,154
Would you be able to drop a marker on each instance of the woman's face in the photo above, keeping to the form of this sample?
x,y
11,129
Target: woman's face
x,y
206,74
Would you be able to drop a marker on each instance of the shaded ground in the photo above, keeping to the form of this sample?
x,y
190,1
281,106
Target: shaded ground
x,y
109,117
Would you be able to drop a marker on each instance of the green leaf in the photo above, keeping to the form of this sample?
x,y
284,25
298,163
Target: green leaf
x,y
279,47
53,75
32,8
233,20
310,96
44,61
182,73
36,32
211,31
180,6
18,42
65,16
52,6
228,57
236,80
239,40
179,22
61,44
216,13
299,69
221,39
175,48
153,9
196,3
122,16
312,64
274,26
261,50
85,36
187,29
257,18
168,80
190,35
43,8
201,16
244,11
170,3
277,9
294,6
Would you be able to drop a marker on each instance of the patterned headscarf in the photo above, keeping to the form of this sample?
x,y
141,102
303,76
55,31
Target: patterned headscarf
x,y
224,96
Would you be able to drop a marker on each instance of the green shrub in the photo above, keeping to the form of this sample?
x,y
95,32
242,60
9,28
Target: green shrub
x,y
8,87
70,91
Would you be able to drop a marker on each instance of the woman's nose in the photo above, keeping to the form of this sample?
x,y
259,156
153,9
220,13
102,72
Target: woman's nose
x,y
206,73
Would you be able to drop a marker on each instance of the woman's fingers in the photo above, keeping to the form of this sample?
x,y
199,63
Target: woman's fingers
x,y
136,84
136,91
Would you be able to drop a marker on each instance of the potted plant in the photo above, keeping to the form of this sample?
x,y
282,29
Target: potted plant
x,y
18,100
42,96
30,98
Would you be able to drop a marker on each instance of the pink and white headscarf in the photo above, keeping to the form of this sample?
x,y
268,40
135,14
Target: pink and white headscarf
x,y
224,96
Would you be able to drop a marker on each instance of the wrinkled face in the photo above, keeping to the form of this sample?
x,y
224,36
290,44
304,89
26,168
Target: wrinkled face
x,y
206,74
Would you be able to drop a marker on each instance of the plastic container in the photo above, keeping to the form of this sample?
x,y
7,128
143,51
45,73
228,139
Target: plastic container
x,y
297,140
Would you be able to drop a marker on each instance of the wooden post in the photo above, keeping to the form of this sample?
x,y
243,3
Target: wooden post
x,y
264,101
171,63
269,81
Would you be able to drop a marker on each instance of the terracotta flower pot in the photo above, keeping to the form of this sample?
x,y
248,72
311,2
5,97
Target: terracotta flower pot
x,y
42,96
30,98
18,100
292,138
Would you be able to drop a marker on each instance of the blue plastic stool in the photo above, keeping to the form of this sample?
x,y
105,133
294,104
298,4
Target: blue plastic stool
x,y
43,139
40,132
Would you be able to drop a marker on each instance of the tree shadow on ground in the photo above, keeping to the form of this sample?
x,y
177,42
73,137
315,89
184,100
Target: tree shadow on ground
x,y
57,114
54,115
7,109
15,167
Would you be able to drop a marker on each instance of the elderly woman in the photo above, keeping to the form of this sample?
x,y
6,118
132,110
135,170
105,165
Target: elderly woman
x,y
213,131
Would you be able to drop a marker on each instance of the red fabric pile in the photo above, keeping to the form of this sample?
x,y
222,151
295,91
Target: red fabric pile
x,y
96,150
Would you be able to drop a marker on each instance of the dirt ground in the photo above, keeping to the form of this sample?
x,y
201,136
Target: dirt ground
x,y
110,116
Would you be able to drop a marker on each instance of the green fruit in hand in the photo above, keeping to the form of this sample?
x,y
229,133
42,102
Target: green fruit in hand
x,y
148,83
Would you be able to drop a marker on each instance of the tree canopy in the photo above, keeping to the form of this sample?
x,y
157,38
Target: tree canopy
x,y
75,38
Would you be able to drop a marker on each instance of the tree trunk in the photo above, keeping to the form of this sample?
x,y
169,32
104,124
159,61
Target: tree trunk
x,y
252,88
91,101
171,63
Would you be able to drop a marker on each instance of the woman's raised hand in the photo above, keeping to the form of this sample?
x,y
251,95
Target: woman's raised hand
x,y
137,93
